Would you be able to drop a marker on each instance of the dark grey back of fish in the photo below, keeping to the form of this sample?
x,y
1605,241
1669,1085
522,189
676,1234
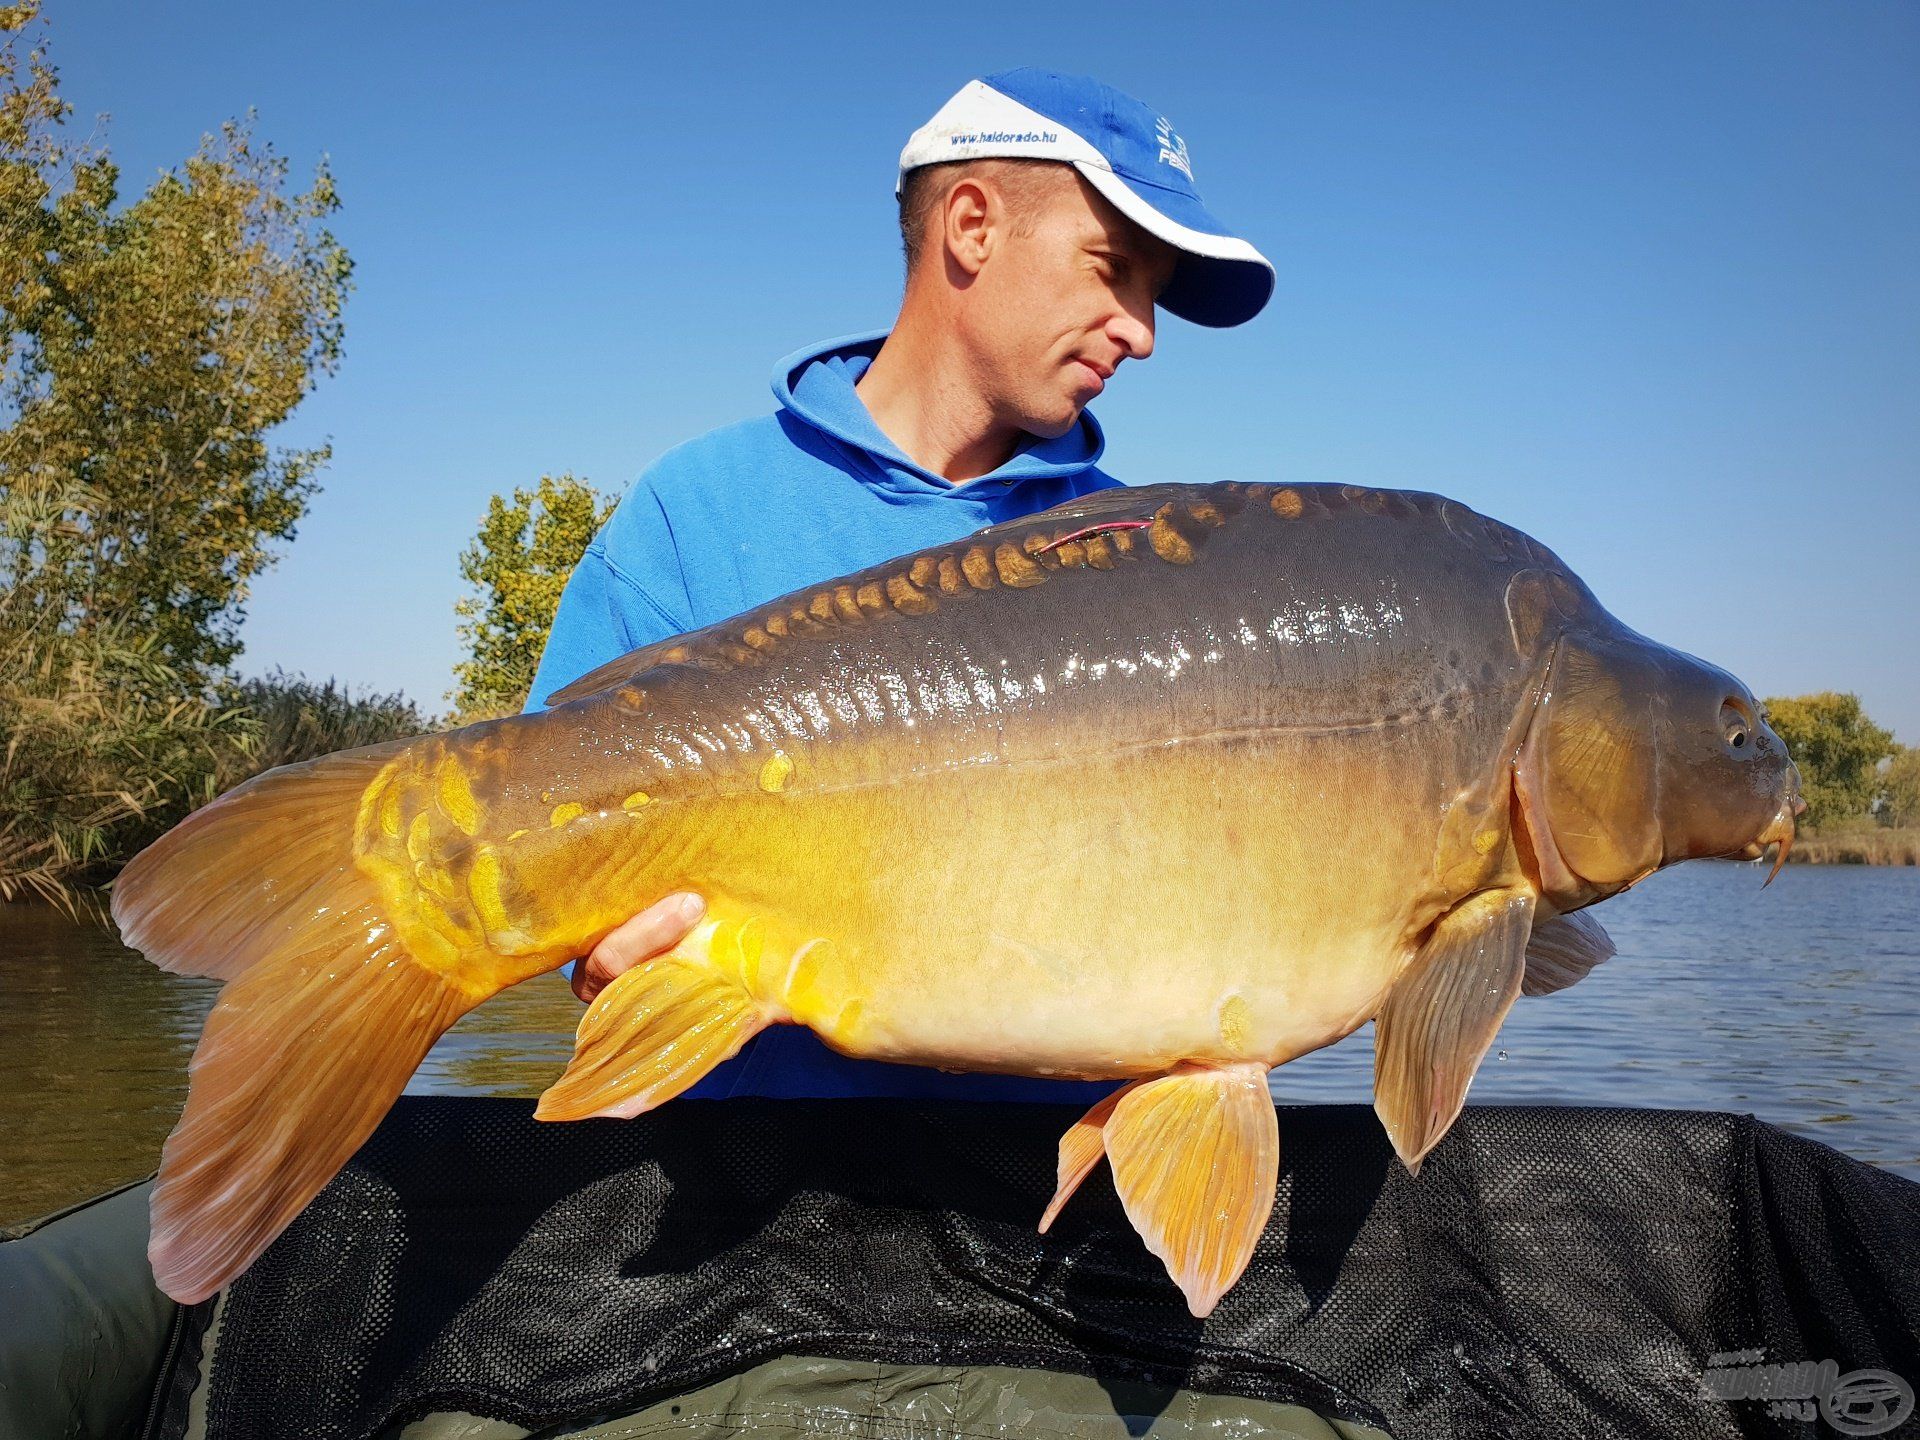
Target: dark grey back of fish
x,y
1216,608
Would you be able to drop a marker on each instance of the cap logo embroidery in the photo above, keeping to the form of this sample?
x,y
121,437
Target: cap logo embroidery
x,y
1007,137
1173,150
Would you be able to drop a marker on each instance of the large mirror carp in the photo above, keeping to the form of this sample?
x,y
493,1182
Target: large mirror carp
x,y
1166,786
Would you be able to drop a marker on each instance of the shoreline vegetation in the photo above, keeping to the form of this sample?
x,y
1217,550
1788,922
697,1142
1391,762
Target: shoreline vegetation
x,y
93,767
1868,844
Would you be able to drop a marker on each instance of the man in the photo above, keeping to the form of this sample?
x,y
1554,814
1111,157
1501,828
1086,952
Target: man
x,y
1043,217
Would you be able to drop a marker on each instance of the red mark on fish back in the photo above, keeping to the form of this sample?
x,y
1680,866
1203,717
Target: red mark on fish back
x,y
1101,529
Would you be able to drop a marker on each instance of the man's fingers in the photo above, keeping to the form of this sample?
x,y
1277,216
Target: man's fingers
x,y
654,931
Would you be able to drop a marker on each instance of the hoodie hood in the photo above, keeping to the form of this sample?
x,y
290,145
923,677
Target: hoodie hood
x,y
815,386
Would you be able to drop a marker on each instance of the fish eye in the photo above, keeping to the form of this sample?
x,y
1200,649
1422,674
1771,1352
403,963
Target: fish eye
x,y
1736,724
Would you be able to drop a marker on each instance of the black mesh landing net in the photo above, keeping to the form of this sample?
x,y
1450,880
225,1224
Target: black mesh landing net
x,y
1551,1272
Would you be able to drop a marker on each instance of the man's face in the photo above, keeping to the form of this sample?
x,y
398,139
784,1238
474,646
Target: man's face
x,y
1061,301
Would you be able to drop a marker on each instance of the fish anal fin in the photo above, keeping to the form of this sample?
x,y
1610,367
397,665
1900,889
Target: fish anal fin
x,y
1196,1158
651,1034
1080,1150
1563,951
1440,1017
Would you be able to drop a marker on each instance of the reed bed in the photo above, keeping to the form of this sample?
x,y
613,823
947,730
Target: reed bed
x,y
1864,845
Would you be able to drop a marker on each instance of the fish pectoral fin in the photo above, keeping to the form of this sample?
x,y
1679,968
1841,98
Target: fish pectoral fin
x,y
1441,1016
655,1031
1563,951
1196,1157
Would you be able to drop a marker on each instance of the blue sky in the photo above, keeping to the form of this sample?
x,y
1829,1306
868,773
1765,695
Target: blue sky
x,y
1641,278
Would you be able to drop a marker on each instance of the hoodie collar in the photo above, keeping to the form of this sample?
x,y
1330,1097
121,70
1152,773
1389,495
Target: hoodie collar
x,y
816,386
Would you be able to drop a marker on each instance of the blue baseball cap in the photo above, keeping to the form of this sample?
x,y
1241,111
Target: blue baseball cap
x,y
1128,152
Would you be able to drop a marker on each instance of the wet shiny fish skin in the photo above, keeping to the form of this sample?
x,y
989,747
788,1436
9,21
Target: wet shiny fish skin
x,y
1179,795
1172,783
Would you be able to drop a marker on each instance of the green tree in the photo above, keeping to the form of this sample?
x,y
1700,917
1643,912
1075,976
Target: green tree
x,y
518,563
146,350
1900,787
1837,748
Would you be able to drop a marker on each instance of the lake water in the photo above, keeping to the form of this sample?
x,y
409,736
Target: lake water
x,y
1800,1003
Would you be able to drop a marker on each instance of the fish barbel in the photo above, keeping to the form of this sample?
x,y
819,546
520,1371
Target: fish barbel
x,y
1166,786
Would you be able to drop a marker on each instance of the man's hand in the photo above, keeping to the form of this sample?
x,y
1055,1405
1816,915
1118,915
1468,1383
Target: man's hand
x,y
654,931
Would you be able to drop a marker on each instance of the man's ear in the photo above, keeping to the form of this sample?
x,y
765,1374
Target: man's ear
x,y
974,216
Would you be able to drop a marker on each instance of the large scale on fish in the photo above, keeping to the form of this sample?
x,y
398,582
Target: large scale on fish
x,y
1166,786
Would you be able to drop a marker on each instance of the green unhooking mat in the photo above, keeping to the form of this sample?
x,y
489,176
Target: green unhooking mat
x,y
1551,1272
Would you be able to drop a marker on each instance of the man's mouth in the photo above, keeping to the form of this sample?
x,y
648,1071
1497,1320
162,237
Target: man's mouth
x,y
1099,376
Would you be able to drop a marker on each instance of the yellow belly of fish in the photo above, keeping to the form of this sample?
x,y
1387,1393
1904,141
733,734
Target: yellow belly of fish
x,y
1155,916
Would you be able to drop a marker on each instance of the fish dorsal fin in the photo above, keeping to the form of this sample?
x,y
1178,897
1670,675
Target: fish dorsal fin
x,y
1563,951
1097,507
623,670
1196,1159
1092,533
1441,1016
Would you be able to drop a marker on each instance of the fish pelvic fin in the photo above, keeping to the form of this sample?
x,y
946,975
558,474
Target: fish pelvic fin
x,y
1196,1159
1438,1020
652,1033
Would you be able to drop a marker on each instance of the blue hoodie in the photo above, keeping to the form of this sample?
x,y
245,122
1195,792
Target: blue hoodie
x,y
750,512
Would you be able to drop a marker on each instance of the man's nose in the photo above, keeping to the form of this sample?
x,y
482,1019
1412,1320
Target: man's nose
x,y
1133,334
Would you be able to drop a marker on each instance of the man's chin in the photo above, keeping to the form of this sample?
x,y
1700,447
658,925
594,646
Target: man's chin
x,y
1052,427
